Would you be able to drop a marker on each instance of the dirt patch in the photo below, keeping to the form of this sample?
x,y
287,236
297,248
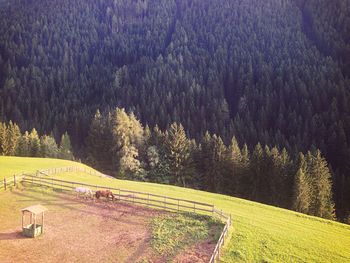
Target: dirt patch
x,y
199,253
79,230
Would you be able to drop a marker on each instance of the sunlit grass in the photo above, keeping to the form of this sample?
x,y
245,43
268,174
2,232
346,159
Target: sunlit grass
x,y
260,233
10,165
172,232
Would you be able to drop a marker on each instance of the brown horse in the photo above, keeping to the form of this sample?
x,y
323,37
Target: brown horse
x,y
104,193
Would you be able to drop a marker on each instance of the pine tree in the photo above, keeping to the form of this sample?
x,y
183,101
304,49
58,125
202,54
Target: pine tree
x,y
245,178
65,149
158,166
34,144
157,160
23,147
257,163
321,202
128,139
220,164
48,147
287,178
302,194
98,143
12,135
235,167
129,165
205,164
178,153
3,131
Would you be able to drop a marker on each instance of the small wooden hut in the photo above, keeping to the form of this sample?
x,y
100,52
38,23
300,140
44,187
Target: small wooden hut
x,y
34,228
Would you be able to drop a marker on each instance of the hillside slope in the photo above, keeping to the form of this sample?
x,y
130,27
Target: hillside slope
x,y
259,233
10,165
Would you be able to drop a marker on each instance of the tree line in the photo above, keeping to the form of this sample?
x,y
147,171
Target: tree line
x,y
117,143
30,144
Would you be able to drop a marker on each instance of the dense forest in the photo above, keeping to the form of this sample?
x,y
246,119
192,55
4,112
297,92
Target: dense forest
x,y
117,141
271,72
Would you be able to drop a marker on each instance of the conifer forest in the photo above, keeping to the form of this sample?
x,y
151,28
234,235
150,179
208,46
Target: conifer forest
x,y
241,97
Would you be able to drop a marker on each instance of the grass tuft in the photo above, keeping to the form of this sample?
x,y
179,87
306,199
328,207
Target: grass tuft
x,y
171,233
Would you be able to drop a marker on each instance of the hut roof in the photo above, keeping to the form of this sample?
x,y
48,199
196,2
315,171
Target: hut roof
x,y
35,209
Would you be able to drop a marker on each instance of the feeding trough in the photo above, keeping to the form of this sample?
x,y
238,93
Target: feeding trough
x,y
33,229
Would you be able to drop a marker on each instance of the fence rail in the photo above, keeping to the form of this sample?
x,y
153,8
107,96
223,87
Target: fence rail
x,y
10,181
42,178
127,195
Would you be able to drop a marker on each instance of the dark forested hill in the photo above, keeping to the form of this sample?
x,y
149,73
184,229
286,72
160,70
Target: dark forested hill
x,y
275,72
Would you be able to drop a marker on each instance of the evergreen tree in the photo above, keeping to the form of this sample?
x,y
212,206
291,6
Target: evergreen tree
x,y
129,165
34,144
128,138
220,164
302,190
65,149
302,193
178,153
23,147
98,143
235,167
257,163
12,136
48,147
205,164
159,169
3,131
321,202
245,178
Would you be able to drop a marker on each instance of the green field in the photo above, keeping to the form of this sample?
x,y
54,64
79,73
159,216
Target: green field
x,y
16,165
260,233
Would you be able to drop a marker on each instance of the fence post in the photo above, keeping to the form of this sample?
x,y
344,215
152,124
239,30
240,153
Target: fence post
x,y
5,184
223,236
219,250
14,180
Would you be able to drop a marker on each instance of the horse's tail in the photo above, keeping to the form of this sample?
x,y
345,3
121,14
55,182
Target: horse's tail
x,y
97,194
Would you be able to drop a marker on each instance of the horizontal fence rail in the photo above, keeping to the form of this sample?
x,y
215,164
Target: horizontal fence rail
x,y
41,178
148,199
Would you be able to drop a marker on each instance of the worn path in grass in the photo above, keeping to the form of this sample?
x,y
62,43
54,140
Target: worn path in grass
x,y
260,233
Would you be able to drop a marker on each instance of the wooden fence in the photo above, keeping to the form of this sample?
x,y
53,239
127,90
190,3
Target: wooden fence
x,y
47,172
216,254
154,200
10,181
42,178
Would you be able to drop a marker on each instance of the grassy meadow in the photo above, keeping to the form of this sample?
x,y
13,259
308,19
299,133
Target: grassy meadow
x,y
10,165
260,233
